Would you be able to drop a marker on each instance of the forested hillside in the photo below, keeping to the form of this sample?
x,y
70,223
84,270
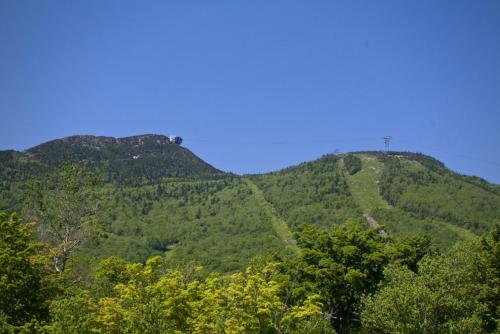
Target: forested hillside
x,y
422,186
405,192
216,222
158,198
137,234
314,192
128,161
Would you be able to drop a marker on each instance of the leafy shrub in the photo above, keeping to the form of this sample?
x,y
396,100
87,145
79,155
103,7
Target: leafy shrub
x,y
352,163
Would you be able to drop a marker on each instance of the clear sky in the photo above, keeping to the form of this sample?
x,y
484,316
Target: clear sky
x,y
255,86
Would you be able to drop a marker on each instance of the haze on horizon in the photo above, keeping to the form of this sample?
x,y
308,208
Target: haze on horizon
x,y
254,87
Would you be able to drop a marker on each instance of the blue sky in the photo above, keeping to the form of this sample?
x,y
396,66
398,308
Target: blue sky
x,y
255,86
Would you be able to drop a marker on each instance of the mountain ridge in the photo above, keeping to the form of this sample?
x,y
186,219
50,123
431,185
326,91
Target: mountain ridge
x,y
159,198
86,140
161,139
151,156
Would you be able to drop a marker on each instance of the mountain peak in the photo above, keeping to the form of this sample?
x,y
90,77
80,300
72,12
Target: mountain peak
x,y
127,159
98,142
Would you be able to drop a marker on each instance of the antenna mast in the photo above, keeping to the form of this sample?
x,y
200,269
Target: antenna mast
x,y
387,141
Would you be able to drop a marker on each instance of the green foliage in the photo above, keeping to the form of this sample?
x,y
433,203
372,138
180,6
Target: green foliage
x,y
160,199
153,299
411,250
410,186
73,314
279,225
218,223
22,289
108,273
311,193
65,206
14,172
490,247
452,293
340,266
338,278
364,185
130,160
164,208
401,224
352,163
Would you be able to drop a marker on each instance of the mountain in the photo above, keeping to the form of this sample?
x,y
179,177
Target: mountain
x,y
405,192
120,159
158,198
127,161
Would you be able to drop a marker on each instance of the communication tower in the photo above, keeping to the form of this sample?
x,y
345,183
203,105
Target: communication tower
x,y
387,141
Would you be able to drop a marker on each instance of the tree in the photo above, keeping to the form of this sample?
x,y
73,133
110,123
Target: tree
x,y
339,266
411,250
151,299
444,296
490,245
22,289
65,207
249,302
352,163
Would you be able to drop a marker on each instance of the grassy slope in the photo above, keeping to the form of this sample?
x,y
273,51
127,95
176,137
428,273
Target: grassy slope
x,y
279,225
364,186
